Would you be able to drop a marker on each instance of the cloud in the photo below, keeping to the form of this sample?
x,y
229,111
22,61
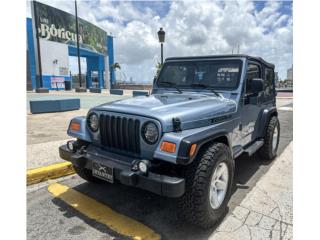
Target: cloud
x,y
192,28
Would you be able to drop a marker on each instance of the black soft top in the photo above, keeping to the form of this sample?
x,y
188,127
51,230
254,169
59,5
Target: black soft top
x,y
259,59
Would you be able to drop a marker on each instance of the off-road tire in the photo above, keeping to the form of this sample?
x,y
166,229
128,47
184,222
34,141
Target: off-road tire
x,y
194,205
86,174
266,152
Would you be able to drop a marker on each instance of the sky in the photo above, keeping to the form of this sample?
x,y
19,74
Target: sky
x,y
260,28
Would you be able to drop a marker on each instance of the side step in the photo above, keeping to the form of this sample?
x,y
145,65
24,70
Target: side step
x,y
254,147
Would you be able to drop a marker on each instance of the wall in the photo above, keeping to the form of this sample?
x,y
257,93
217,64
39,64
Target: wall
x,y
31,53
133,86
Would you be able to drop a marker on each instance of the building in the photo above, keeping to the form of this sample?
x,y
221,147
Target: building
x,y
276,78
290,73
289,80
58,41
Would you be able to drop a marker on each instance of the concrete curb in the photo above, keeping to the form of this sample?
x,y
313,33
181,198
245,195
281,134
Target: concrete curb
x,y
49,172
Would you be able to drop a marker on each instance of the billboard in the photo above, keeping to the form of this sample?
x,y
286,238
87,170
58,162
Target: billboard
x,y
59,26
55,61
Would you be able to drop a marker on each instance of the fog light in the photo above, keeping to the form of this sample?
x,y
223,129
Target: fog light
x,y
143,167
70,146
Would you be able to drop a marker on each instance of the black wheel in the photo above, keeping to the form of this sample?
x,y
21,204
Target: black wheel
x,y
209,181
86,174
271,140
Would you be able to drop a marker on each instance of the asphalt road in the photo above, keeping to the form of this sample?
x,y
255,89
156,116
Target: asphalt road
x,y
52,218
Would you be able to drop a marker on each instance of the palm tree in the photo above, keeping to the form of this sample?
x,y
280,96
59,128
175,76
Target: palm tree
x,y
115,66
158,68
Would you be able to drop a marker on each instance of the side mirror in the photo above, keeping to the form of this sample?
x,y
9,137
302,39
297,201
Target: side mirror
x,y
256,85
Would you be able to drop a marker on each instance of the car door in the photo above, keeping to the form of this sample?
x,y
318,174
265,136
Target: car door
x,y
250,103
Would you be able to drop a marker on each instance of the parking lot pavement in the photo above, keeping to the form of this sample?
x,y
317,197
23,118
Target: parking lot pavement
x,y
50,217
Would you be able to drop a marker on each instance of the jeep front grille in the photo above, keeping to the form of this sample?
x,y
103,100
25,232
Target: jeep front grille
x,y
120,133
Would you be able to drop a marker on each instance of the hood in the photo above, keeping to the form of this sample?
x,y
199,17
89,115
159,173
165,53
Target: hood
x,y
193,110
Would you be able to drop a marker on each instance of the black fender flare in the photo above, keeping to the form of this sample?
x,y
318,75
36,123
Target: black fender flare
x,y
200,138
264,120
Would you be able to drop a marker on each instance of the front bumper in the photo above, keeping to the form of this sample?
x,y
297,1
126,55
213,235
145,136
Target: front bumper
x,y
156,183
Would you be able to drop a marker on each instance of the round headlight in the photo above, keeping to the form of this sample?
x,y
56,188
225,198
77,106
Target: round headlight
x,y
150,132
93,122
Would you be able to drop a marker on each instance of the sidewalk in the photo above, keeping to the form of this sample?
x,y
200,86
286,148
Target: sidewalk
x,y
267,211
44,154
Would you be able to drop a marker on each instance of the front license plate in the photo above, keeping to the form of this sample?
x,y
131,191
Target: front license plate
x,y
101,171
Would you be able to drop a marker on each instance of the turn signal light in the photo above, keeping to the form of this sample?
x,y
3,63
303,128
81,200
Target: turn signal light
x,y
75,126
168,147
192,149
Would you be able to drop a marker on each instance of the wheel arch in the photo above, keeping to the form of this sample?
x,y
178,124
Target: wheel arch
x,y
264,119
202,142
217,139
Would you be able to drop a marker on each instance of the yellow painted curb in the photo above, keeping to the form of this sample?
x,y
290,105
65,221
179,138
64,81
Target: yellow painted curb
x,y
101,213
49,172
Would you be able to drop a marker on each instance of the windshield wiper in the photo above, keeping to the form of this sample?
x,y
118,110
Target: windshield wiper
x,y
171,84
206,87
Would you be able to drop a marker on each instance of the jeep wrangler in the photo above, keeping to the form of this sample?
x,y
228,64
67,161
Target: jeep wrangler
x,y
182,139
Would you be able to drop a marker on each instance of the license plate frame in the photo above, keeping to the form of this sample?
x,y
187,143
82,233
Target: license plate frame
x,y
102,171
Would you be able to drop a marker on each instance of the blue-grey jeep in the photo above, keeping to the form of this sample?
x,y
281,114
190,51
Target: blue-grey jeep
x,y
182,139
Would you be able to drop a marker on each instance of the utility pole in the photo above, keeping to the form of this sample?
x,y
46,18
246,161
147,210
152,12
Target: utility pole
x,y
80,89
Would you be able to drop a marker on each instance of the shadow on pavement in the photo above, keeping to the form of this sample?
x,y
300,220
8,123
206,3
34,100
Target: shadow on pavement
x,y
70,212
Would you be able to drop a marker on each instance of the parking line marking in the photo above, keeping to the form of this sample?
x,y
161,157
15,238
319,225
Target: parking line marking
x,y
102,213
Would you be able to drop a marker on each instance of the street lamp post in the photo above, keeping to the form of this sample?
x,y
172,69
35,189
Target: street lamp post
x,y
161,36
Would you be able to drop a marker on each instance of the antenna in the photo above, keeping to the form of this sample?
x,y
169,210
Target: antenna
x,y
238,48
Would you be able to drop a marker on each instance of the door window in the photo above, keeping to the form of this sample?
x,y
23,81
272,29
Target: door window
x,y
253,71
268,82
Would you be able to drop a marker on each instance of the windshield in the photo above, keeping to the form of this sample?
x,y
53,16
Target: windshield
x,y
213,74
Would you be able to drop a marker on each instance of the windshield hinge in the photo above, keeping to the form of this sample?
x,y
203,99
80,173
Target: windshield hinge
x,y
176,124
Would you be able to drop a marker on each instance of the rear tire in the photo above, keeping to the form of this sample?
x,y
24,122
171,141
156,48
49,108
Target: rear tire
x,y
196,205
271,140
86,174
